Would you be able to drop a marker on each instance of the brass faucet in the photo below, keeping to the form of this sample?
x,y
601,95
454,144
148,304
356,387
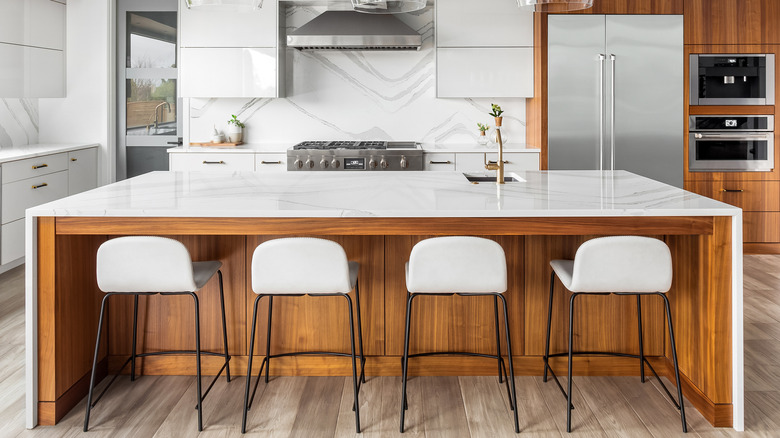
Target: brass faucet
x,y
498,166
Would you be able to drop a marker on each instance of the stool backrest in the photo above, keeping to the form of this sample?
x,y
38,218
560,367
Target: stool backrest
x,y
144,264
300,265
457,264
622,264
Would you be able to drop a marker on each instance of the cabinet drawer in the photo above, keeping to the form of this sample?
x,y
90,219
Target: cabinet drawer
x,y
517,162
82,170
761,227
439,162
470,162
271,163
12,241
34,167
21,195
747,195
213,162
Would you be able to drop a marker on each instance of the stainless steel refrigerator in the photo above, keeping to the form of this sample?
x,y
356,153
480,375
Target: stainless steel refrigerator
x,y
615,94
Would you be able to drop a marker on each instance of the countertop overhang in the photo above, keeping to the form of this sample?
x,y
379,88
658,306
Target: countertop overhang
x,y
390,195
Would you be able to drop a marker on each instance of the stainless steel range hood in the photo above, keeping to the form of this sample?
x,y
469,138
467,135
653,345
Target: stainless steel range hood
x,y
348,30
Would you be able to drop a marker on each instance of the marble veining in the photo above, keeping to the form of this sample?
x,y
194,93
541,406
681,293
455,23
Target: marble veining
x,y
18,122
356,95
369,194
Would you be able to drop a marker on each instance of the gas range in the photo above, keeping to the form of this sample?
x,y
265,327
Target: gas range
x,y
355,156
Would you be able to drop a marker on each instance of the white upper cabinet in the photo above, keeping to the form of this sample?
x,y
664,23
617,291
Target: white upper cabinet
x,y
45,24
484,49
486,23
215,27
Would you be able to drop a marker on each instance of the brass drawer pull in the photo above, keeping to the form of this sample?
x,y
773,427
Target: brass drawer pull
x,y
441,162
270,162
39,186
732,191
213,162
496,162
40,166
74,159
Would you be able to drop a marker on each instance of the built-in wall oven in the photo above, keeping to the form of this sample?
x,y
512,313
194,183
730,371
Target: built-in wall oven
x,y
744,79
731,143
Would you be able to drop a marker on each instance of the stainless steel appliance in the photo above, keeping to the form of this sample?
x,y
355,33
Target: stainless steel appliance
x,y
744,79
616,94
377,156
349,30
731,143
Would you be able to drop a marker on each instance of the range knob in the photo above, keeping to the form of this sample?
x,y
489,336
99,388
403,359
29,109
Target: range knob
x,y
310,163
324,163
372,163
335,163
298,164
383,163
404,162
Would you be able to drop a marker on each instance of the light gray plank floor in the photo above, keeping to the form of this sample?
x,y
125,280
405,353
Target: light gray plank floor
x,y
438,406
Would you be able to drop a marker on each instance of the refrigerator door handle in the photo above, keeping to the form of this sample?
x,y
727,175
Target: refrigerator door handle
x,y
602,128
612,115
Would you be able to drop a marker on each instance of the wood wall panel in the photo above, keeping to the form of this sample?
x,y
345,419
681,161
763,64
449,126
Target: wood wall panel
x,y
450,323
616,329
322,323
732,22
168,322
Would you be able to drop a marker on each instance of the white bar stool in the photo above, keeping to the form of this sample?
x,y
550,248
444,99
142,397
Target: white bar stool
x,y
620,265
294,267
150,266
463,266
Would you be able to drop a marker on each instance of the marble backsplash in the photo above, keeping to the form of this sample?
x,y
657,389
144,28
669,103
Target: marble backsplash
x,y
18,122
357,95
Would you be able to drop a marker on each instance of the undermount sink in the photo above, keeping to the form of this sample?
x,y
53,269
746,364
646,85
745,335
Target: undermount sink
x,y
476,179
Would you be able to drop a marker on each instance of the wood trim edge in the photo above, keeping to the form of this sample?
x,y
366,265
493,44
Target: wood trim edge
x,y
50,413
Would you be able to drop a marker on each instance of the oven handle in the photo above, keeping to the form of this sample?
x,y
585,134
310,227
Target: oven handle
x,y
767,136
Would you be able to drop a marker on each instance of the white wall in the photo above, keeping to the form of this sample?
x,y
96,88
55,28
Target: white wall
x,y
83,116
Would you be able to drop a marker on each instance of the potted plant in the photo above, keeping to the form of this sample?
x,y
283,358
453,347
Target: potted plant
x,y
482,139
235,130
496,112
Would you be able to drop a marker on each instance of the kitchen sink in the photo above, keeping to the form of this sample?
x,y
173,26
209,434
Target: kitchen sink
x,y
476,178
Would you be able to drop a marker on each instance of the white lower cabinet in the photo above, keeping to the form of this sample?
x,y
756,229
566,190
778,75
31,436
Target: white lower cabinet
x,y
474,162
82,170
439,162
12,243
516,162
186,162
271,163
18,196
470,162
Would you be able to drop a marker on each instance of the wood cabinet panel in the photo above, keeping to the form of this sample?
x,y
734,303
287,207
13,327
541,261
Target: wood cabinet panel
x,y
637,7
747,195
763,227
732,22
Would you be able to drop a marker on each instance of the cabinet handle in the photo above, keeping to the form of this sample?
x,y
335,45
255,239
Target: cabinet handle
x,y
440,162
40,166
496,162
74,159
39,186
213,162
731,191
270,162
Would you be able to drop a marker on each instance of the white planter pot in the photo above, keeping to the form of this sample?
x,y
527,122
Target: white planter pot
x,y
235,134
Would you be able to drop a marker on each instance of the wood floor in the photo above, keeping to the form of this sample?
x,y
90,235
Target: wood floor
x,y
438,406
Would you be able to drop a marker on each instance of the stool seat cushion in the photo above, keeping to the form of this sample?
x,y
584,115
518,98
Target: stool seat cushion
x,y
150,264
629,264
457,264
302,265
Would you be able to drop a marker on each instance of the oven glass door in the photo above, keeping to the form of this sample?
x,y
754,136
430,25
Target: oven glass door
x,y
732,154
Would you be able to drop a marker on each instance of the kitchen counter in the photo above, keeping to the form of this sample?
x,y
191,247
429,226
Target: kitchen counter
x,y
377,218
249,148
38,150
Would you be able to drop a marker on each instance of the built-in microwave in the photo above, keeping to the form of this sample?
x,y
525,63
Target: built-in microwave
x,y
731,143
718,79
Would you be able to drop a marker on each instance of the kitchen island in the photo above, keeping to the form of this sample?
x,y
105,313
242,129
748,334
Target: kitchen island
x,y
378,217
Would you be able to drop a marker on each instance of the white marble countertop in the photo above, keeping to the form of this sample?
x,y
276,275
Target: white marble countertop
x,y
407,194
281,148
37,150
476,148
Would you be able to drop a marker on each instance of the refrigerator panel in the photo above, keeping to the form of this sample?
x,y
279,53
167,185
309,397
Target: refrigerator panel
x,y
648,107
574,91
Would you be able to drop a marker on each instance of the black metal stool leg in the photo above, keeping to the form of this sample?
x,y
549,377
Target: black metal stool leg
x,y
224,325
498,340
197,355
94,362
249,365
135,336
354,364
511,365
571,349
676,365
268,338
549,324
405,364
641,338
360,334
